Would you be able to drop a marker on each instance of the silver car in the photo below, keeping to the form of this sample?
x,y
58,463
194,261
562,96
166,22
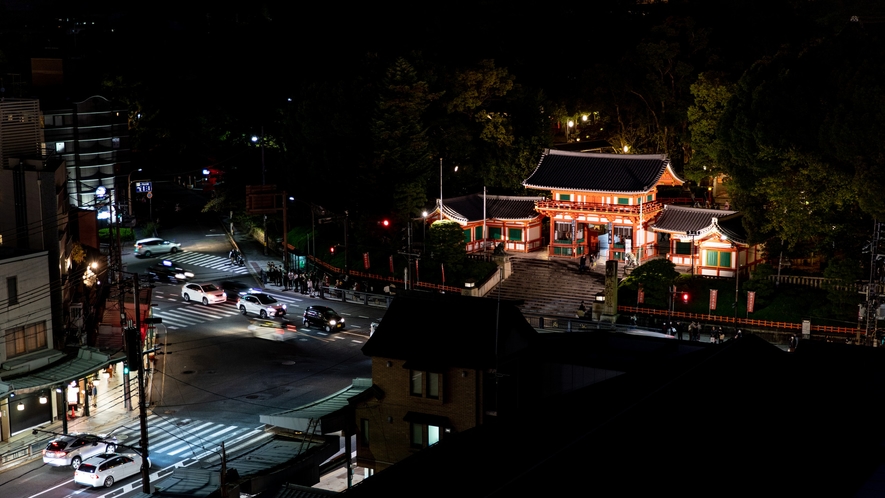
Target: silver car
x,y
72,449
106,468
155,245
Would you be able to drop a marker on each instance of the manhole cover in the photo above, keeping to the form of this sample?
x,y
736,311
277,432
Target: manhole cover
x,y
188,372
290,362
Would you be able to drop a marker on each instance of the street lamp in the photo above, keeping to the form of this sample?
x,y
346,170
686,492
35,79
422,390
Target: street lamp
x,y
424,231
260,142
129,187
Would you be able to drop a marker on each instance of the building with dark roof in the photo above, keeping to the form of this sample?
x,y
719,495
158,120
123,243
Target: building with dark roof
x,y
594,194
735,419
712,241
494,219
437,370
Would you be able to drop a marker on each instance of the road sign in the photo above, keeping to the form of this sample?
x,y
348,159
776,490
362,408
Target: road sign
x,y
150,195
143,187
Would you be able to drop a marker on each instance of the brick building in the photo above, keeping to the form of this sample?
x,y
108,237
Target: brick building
x,y
439,366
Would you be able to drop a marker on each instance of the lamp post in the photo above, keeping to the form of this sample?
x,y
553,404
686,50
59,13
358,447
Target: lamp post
x,y
129,188
260,142
423,231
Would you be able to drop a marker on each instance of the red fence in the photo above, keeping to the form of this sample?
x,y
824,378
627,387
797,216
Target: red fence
x,y
363,274
745,322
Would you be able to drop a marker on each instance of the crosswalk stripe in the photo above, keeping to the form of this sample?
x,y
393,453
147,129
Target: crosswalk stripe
x,y
208,261
175,439
173,436
173,453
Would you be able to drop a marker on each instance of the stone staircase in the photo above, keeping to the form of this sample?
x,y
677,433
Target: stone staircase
x,y
551,287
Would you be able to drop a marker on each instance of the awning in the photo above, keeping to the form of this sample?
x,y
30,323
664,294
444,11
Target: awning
x,y
427,419
331,412
87,361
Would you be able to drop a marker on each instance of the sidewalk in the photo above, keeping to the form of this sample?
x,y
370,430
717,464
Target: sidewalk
x,y
105,416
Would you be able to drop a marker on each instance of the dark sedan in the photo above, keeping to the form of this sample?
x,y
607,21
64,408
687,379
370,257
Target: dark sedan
x,y
167,271
323,317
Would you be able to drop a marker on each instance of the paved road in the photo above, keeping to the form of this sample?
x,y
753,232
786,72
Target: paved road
x,y
213,377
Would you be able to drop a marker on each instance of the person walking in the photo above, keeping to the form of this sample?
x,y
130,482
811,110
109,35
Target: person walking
x,y
290,280
310,287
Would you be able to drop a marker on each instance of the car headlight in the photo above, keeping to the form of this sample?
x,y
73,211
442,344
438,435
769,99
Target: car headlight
x,y
180,276
188,274
284,306
331,322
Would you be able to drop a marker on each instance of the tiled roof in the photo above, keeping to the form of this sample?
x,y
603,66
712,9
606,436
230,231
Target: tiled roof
x,y
593,172
503,207
682,220
454,331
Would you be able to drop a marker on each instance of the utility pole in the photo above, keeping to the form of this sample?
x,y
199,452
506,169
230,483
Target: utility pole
x,y
872,297
136,352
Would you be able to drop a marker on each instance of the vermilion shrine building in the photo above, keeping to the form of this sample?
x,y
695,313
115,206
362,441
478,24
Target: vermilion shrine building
x,y
493,219
711,241
601,202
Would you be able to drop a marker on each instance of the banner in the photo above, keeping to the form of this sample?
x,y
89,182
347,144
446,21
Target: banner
x,y
641,297
366,260
751,301
442,268
391,264
713,294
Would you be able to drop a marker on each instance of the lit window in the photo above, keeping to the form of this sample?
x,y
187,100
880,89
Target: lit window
x,y
433,385
415,387
417,432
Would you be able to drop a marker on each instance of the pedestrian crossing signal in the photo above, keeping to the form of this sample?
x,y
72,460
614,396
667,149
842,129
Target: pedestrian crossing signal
x,y
125,369
685,297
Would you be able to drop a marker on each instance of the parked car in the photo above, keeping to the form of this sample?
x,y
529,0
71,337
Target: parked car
x,y
260,304
106,468
155,245
166,270
72,449
324,317
205,293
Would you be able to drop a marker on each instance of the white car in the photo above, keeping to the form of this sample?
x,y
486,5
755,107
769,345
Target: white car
x,y
107,468
204,293
260,304
72,449
155,245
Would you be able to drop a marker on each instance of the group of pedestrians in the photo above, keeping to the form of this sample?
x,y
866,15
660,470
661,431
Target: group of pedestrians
x,y
302,282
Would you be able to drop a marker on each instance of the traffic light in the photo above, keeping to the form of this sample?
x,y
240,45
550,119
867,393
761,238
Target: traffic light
x,y
685,298
332,249
125,368
385,223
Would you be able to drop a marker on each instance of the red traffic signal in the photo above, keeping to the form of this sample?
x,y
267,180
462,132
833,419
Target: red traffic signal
x,y
685,297
385,222
332,249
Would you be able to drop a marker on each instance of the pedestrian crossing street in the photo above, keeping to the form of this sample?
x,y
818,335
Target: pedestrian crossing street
x,y
207,261
193,313
184,437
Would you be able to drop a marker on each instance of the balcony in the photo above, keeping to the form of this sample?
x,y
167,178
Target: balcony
x,y
550,207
